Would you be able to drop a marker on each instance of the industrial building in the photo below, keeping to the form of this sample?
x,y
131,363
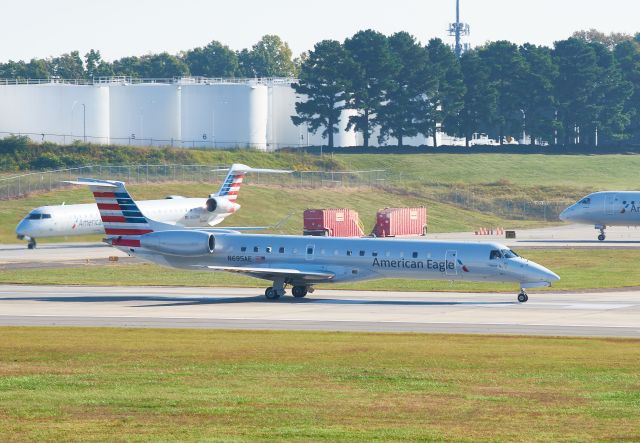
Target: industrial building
x,y
190,112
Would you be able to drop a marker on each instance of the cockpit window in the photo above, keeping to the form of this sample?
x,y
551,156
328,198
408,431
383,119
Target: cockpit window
x,y
495,254
508,253
38,216
585,201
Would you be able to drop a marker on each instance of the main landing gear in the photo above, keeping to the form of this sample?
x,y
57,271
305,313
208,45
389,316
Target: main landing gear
x,y
275,292
523,297
601,237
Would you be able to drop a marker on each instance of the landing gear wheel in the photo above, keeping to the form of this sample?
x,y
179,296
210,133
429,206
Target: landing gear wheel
x,y
271,293
299,291
601,237
523,297
31,244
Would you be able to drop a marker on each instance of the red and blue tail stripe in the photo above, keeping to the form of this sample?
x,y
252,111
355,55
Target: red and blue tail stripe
x,y
231,186
122,219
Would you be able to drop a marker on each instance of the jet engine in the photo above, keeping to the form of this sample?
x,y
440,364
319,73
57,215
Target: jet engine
x,y
220,205
179,243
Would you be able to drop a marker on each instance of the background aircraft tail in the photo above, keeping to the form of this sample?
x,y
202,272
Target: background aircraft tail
x,y
232,182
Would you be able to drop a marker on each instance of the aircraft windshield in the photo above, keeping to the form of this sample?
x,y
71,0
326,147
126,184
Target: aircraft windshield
x,y
508,253
585,201
38,216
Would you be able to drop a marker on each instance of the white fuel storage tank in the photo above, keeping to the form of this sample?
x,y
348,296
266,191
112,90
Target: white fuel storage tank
x,y
224,115
55,112
145,114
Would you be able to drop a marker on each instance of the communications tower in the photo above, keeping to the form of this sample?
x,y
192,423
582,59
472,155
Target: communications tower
x,y
459,30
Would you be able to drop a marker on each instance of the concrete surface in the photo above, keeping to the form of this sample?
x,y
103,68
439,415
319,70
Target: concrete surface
x,y
613,313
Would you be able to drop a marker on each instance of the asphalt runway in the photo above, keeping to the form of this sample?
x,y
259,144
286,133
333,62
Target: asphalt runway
x,y
610,314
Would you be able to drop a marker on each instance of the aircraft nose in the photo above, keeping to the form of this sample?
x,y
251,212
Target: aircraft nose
x,y
564,215
22,228
539,273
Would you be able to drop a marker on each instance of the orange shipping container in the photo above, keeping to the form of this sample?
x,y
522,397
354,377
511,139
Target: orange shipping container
x,y
395,222
332,223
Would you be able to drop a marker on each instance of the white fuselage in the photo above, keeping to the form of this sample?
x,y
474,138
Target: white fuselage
x,y
608,208
84,219
362,259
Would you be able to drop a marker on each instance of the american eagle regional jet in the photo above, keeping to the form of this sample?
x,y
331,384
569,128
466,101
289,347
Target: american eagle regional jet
x,y
84,219
606,208
301,262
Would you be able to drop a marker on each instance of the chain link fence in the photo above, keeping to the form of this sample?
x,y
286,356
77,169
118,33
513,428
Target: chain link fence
x,y
18,186
473,198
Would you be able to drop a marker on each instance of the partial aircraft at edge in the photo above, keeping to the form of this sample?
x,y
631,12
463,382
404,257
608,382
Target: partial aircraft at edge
x,y
84,219
606,208
301,262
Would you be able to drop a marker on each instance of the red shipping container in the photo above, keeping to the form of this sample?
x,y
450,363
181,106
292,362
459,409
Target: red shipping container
x,y
395,222
332,223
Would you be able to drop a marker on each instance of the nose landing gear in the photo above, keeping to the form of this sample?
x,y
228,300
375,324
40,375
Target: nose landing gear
x,y
601,237
522,296
32,243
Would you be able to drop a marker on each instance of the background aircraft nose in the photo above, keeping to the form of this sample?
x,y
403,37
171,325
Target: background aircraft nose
x,y
564,215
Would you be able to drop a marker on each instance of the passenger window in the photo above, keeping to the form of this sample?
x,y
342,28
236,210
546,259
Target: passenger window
x,y
269,249
414,255
349,253
374,254
281,250
256,249
361,253
243,249
309,251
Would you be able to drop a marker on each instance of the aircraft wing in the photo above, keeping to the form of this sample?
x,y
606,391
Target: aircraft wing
x,y
270,273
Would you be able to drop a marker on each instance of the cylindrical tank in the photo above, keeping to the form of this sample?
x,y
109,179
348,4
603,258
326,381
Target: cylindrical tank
x,y
224,115
55,112
281,132
145,114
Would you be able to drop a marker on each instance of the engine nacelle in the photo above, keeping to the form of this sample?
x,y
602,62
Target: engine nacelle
x,y
179,243
220,205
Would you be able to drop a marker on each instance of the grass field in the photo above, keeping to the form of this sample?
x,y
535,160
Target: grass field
x,y
531,170
80,384
262,205
579,269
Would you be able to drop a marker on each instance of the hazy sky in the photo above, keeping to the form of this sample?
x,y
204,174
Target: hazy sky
x,y
42,28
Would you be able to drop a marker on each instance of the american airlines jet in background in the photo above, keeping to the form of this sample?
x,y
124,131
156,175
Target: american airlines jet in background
x,y
302,262
607,208
84,219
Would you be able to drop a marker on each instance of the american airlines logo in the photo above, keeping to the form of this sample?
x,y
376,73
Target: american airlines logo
x,y
631,206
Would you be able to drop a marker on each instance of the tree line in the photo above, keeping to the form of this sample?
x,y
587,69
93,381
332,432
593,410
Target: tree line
x,y
269,57
584,90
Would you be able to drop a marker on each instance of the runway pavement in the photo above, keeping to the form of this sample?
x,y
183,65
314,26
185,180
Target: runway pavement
x,y
615,313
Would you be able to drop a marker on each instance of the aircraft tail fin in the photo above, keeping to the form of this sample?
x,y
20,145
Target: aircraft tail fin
x,y
232,182
121,217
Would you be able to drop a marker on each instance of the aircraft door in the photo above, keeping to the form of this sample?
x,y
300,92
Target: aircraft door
x,y
451,256
309,251
612,204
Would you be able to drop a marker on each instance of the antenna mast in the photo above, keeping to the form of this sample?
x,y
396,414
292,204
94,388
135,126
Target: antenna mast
x,y
459,30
